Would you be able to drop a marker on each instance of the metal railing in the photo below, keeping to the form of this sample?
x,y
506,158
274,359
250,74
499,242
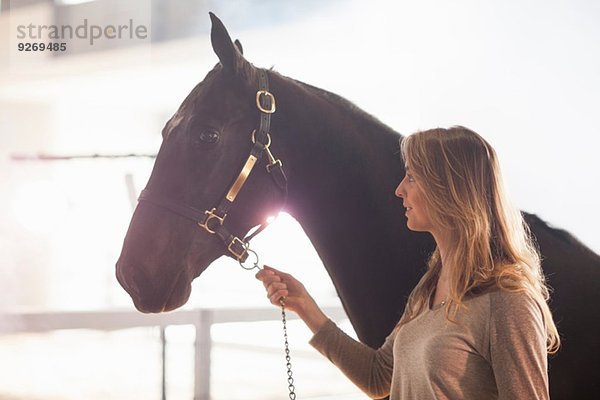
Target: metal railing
x,y
202,319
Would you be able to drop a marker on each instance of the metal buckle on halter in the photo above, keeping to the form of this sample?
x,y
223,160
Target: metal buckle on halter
x,y
260,107
235,241
209,216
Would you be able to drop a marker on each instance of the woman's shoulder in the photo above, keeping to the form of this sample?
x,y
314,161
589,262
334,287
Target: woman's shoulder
x,y
509,305
511,299
499,300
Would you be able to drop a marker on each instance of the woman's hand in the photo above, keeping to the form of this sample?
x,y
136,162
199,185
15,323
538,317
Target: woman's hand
x,y
280,285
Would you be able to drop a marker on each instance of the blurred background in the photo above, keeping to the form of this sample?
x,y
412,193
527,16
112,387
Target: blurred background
x,y
524,74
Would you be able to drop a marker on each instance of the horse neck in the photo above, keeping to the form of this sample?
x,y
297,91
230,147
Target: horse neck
x,y
344,165
343,169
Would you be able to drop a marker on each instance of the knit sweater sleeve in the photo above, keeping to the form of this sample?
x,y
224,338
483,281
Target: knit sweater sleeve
x,y
369,369
518,347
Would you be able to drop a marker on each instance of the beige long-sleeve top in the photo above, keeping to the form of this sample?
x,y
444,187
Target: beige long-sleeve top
x,y
496,350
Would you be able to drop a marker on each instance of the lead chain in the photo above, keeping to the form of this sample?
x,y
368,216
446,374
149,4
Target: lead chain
x,y
288,358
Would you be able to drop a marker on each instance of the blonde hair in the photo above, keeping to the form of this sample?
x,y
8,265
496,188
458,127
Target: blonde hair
x,y
459,173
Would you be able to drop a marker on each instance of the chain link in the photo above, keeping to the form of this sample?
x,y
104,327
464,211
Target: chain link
x,y
288,358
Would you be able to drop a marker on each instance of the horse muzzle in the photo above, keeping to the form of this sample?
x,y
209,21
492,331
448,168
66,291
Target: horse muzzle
x,y
151,295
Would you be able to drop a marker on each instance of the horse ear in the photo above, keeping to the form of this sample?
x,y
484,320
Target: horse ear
x,y
230,57
238,44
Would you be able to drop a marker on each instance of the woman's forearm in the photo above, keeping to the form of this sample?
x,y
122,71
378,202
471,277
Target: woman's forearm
x,y
312,315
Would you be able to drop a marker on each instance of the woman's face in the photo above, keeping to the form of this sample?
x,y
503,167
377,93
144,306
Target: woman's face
x,y
414,202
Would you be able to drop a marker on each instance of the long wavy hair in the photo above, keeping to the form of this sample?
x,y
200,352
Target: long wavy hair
x,y
459,173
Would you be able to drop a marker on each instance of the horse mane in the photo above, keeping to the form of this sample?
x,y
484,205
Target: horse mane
x,y
562,236
347,105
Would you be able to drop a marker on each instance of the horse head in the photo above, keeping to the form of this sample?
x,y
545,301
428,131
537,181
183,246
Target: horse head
x,y
186,217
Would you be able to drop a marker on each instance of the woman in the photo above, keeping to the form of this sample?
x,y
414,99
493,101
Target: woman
x,y
477,325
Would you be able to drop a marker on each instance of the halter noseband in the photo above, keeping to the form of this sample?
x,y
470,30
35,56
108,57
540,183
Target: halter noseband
x,y
212,221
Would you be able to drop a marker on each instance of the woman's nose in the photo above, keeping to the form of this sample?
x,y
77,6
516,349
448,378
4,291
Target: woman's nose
x,y
399,192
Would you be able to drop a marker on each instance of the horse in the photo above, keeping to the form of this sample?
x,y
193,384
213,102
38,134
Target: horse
x,y
248,142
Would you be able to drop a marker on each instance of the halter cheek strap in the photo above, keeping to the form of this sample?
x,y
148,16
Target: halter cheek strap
x,y
213,220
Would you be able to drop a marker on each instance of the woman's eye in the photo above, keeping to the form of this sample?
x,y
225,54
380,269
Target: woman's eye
x,y
209,136
410,178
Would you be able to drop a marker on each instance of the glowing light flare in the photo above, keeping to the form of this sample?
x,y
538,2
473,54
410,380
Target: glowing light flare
x,y
40,206
283,230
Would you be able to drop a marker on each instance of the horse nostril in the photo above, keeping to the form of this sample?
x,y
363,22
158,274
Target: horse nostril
x,y
123,281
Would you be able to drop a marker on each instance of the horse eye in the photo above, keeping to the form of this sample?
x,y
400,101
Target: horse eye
x,y
209,136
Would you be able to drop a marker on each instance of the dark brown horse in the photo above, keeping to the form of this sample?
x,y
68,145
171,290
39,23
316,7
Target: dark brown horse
x,y
342,167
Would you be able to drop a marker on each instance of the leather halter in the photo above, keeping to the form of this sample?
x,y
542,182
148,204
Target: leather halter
x,y
213,220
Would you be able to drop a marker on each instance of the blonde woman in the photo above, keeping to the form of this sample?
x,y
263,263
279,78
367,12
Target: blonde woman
x,y
477,325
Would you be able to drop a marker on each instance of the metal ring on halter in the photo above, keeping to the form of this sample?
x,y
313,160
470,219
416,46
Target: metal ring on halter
x,y
254,264
268,139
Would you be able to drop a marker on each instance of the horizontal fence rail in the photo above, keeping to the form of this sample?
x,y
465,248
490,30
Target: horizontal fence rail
x,y
109,320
